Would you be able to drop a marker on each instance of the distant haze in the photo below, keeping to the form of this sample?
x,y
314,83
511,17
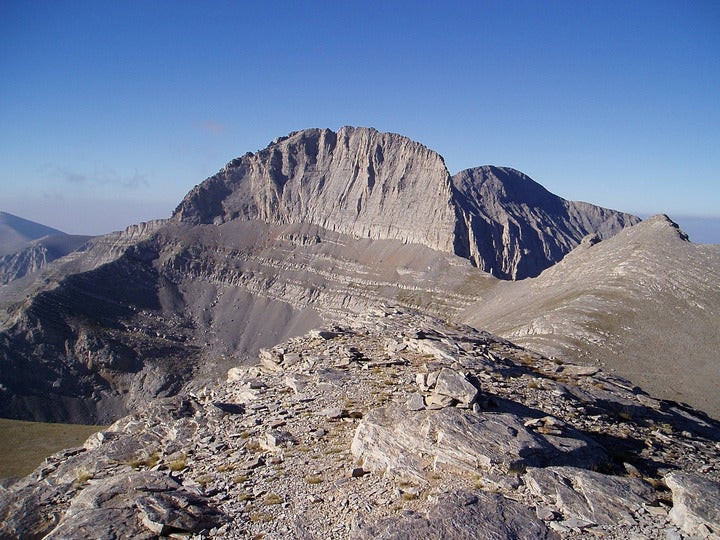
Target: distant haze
x,y
702,230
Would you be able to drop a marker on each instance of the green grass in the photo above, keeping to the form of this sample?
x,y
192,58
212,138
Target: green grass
x,y
24,445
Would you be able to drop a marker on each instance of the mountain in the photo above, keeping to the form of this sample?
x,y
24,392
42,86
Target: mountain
x,y
384,186
514,228
15,232
26,246
644,303
289,356
389,425
316,225
36,254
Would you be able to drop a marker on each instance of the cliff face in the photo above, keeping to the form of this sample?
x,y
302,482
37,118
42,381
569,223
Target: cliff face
x,y
356,181
514,228
384,186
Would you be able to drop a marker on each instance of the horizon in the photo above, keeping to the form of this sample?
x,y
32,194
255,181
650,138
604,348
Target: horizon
x,y
109,118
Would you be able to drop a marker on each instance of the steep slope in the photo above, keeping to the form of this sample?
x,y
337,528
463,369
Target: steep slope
x,y
516,228
645,303
356,181
15,232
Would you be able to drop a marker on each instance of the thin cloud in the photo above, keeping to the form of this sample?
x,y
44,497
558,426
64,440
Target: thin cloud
x,y
103,176
72,177
212,127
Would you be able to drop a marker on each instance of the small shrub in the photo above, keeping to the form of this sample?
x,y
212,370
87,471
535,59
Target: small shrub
x,y
314,479
177,464
82,477
272,498
261,517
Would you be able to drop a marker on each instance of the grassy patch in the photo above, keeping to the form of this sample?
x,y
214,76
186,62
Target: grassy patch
x,y
177,465
24,445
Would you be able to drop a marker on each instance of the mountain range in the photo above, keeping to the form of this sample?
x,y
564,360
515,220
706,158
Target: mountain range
x,y
349,231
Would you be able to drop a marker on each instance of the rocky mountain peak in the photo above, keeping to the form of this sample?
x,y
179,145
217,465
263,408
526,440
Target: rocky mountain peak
x,y
376,185
357,181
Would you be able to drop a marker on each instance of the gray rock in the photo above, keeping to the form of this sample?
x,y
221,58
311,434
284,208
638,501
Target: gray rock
x,y
456,385
389,439
436,401
589,496
415,402
333,413
696,502
458,516
134,505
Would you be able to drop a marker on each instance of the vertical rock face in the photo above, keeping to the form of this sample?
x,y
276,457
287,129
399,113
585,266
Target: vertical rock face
x,y
356,181
376,185
514,228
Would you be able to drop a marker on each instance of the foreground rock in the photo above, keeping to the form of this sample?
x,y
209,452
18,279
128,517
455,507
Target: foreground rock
x,y
318,441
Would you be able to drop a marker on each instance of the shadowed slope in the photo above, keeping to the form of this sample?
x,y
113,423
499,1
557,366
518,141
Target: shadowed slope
x,y
16,231
514,228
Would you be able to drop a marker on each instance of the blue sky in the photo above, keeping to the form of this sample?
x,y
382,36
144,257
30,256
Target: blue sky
x,y
111,111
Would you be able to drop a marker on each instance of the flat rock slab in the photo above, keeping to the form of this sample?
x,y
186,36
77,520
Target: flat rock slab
x,y
134,505
397,441
459,516
589,496
696,503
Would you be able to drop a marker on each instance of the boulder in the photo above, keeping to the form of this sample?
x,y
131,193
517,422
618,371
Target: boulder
x,y
696,503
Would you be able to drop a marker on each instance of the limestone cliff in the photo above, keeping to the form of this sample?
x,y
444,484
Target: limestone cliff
x,y
356,181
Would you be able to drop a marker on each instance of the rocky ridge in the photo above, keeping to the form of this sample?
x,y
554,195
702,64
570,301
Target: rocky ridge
x,y
645,303
145,313
391,424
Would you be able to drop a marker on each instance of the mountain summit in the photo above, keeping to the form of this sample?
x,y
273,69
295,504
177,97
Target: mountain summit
x,y
375,185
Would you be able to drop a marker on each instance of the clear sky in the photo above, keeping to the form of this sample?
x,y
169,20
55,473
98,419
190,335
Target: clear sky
x,y
111,111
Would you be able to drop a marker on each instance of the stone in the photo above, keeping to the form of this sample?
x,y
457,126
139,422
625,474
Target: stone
x,y
389,439
135,505
455,385
270,360
297,382
438,401
333,413
579,371
416,402
696,503
276,439
589,496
